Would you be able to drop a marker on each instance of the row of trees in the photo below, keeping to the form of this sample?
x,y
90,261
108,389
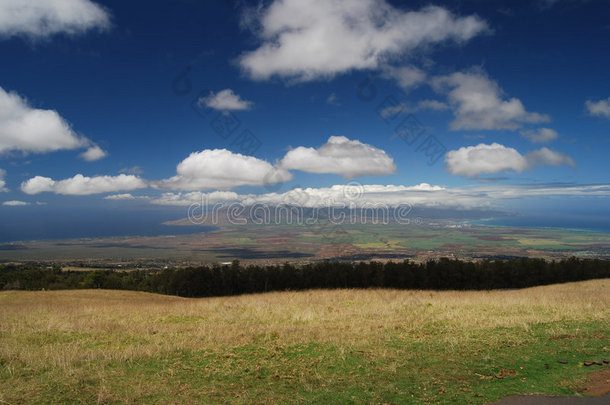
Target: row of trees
x,y
442,274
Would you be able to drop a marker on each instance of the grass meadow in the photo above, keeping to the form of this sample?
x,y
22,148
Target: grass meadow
x,y
340,346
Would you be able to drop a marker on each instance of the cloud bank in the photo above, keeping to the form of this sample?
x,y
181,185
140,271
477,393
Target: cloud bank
x,y
370,196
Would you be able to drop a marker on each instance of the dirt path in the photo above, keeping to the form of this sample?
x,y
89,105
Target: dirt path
x,y
598,385
544,400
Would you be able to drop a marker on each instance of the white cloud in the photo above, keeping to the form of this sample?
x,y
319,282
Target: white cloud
x,y
540,135
30,130
15,203
41,18
473,161
222,170
307,40
599,108
225,100
477,103
93,153
2,182
81,185
407,77
340,155
126,196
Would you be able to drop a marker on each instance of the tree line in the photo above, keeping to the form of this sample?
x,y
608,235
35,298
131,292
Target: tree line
x,y
234,279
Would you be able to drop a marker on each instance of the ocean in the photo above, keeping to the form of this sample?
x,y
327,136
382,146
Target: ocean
x,y
580,223
47,224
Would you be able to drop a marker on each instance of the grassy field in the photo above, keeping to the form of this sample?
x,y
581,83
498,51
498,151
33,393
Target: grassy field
x,y
347,346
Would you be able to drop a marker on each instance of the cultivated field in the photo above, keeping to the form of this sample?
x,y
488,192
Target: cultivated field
x,y
276,244
348,346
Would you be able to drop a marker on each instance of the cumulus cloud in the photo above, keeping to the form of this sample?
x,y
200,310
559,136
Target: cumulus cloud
x,y
225,100
305,41
31,130
42,18
93,153
2,182
540,135
472,161
81,185
222,170
478,103
599,108
340,155
15,203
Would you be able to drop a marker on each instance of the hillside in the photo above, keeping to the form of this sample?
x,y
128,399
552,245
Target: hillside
x,y
364,346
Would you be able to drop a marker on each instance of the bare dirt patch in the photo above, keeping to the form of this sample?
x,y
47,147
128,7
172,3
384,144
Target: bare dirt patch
x,y
599,383
597,391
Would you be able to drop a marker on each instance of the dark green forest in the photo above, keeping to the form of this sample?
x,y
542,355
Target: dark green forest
x,y
216,280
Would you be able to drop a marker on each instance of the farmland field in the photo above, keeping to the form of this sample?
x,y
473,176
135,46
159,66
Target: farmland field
x,y
271,244
358,346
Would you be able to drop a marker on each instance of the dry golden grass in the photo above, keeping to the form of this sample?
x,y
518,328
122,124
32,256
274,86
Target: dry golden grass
x,y
61,331
122,325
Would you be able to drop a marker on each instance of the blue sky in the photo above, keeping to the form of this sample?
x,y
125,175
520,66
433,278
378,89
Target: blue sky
x,y
514,96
